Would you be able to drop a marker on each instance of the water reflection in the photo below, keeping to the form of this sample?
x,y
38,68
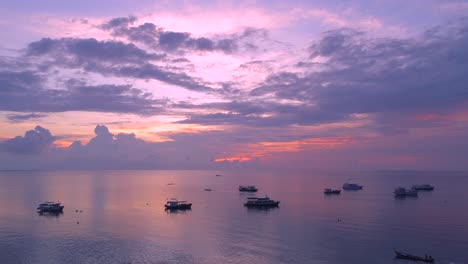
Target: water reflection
x,y
119,217
178,211
405,197
262,210
50,214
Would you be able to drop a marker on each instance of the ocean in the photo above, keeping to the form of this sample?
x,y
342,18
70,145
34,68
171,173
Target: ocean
x,y
118,217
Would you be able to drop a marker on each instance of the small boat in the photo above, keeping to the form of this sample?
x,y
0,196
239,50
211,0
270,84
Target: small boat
x,y
400,191
426,258
331,191
352,186
51,207
250,188
261,202
208,189
218,175
176,204
423,187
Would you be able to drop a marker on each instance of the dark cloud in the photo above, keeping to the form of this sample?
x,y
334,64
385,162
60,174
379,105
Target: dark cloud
x,y
23,117
119,22
109,58
33,142
381,76
75,51
25,92
170,41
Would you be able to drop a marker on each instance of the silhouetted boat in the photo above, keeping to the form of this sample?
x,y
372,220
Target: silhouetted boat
x,y
423,187
176,204
331,191
402,255
250,188
51,207
261,202
217,175
352,186
400,191
208,189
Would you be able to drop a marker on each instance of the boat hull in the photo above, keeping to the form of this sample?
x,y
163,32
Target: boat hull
x,y
179,207
51,210
252,205
401,255
332,192
424,188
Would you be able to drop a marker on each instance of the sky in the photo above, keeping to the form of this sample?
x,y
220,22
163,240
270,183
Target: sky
x,y
306,85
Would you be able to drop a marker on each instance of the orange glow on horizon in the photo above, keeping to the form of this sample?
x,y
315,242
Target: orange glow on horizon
x,y
263,149
233,159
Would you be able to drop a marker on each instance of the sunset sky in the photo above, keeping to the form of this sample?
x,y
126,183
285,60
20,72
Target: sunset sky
x,y
122,84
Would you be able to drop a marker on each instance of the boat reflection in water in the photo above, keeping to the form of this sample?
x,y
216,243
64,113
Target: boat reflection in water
x,y
50,214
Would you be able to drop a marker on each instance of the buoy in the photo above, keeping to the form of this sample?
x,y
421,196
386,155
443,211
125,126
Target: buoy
x,y
78,223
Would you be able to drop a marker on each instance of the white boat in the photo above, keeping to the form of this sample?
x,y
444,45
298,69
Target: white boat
x,y
50,207
351,186
400,191
261,202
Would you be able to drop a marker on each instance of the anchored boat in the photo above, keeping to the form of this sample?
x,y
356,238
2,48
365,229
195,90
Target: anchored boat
x,y
331,191
426,258
250,188
402,192
51,207
176,204
351,186
423,187
261,202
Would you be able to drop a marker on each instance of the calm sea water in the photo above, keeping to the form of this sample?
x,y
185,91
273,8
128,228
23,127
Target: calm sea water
x,y
121,219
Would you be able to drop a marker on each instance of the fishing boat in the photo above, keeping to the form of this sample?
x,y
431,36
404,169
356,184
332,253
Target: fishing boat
x,y
331,191
351,186
402,192
51,207
173,204
256,202
426,258
423,187
250,188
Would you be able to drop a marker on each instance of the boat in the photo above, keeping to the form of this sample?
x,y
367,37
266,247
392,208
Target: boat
x,y
426,258
208,189
423,187
351,186
52,207
256,202
250,188
176,204
400,191
218,175
331,191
